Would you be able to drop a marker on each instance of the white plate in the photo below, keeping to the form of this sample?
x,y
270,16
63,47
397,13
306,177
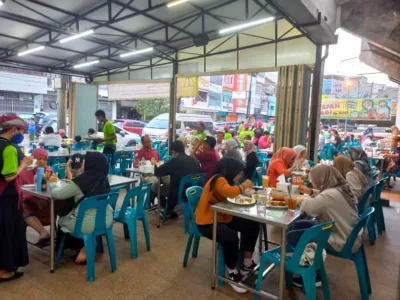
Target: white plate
x,y
274,206
233,201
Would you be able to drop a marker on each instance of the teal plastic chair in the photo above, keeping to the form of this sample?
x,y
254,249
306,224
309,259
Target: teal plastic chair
x,y
363,204
186,182
375,174
377,204
124,159
311,163
318,234
167,158
77,146
359,258
130,215
100,203
263,157
156,145
193,195
257,176
51,148
60,169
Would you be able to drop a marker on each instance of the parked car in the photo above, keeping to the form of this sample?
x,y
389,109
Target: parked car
x,y
221,125
124,137
26,117
158,127
134,126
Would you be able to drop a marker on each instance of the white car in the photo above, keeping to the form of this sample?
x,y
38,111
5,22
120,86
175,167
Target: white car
x,y
124,137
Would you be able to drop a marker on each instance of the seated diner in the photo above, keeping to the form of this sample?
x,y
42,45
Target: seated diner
x,y
281,164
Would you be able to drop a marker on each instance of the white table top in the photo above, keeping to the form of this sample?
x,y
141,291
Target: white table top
x,y
83,152
139,171
279,217
114,180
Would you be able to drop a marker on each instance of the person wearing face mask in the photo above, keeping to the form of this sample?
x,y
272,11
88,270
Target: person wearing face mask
x,y
17,139
220,187
13,247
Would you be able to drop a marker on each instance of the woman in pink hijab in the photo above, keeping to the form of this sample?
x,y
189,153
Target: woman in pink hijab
x,y
36,211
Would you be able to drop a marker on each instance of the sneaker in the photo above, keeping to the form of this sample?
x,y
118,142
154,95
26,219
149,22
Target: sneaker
x,y
235,276
244,270
298,281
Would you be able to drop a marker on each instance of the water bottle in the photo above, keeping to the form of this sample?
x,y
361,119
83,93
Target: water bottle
x,y
39,177
142,164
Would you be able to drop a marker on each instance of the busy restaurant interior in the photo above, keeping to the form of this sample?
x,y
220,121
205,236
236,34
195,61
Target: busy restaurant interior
x,y
201,195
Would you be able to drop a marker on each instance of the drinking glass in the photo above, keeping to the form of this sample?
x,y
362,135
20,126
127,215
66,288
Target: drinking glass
x,y
292,203
265,181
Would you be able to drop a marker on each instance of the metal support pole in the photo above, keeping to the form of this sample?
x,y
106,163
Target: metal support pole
x,y
315,107
62,105
172,106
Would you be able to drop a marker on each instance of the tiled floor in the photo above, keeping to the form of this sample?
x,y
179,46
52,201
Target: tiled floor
x,y
159,274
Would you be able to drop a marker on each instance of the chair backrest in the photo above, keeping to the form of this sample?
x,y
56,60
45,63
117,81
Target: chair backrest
x,y
125,159
193,195
60,169
142,193
375,174
366,198
262,155
347,249
51,148
311,163
77,146
318,234
189,181
100,203
257,176
166,158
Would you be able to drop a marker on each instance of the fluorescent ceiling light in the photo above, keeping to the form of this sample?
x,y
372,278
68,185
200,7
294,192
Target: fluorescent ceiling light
x,y
29,51
246,25
1,3
76,36
177,2
136,52
89,63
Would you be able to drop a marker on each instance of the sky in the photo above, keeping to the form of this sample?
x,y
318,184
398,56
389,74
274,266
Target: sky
x,y
349,46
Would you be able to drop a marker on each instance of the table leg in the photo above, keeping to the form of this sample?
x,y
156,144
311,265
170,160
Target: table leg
x,y
214,252
52,230
126,231
282,266
159,202
260,237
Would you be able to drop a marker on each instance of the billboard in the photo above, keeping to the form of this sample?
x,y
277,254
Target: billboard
x,y
356,109
137,91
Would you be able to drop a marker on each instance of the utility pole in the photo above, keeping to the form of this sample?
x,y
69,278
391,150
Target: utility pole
x,y
61,86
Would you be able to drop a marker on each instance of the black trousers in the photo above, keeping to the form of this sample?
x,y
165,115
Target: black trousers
x,y
227,236
110,150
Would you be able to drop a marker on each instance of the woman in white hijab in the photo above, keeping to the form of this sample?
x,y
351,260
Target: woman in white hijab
x,y
300,162
232,150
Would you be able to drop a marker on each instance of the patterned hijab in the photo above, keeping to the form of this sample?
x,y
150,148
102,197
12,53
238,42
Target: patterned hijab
x,y
326,177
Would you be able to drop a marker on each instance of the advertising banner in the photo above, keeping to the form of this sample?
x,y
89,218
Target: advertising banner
x,y
188,86
356,109
204,82
135,91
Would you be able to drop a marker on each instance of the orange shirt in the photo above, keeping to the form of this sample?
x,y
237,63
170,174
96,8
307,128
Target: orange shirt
x,y
276,169
222,190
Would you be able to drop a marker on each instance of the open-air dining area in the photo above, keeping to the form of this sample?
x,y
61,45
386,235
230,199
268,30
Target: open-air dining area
x,y
194,149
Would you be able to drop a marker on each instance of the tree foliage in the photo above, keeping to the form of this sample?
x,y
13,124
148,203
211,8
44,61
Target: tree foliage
x,y
149,108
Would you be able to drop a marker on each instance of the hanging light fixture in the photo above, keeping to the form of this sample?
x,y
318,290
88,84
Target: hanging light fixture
x,y
77,36
177,2
246,25
29,51
136,52
86,64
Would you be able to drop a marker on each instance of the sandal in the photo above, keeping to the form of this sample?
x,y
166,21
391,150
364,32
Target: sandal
x,y
43,242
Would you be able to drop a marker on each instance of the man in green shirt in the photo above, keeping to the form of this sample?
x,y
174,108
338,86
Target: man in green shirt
x,y
245,132
110,138
200,130
240,128
227,134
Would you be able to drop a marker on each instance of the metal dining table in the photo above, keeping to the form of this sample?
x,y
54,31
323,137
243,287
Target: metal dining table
x,y
282,218
83,152
146,172
30,189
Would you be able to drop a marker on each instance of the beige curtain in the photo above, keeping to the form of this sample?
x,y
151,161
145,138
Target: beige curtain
x,y
293,95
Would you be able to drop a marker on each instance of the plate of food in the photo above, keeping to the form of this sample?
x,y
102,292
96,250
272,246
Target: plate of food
x,y
278,194
242,200
276,204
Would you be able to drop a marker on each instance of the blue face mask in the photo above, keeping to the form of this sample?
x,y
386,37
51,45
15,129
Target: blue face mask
x,y
17,138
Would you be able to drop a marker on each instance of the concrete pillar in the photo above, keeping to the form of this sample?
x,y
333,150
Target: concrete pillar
x,y
37,103
62,105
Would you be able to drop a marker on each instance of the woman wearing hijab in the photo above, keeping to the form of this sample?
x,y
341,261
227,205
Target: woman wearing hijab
x,y
232,150
332,199
360,159
13,248
357,180
300,162
217,189
281,164
92,182
251,158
